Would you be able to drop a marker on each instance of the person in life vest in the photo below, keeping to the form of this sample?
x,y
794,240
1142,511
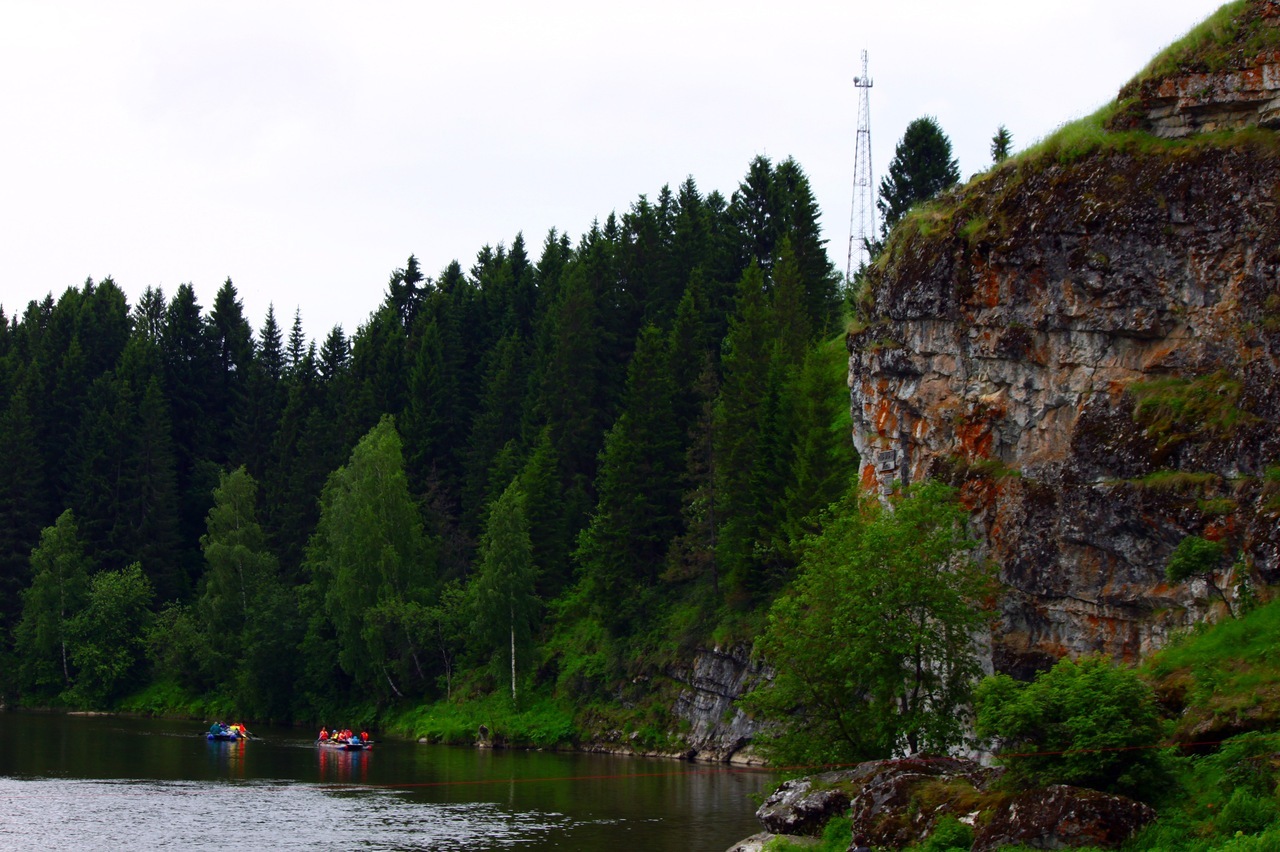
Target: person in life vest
x,y
324,734
364,736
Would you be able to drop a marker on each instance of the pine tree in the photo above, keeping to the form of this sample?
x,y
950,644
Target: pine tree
x,y
922,166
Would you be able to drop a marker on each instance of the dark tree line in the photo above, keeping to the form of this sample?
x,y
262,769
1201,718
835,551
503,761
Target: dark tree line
x,y
657,410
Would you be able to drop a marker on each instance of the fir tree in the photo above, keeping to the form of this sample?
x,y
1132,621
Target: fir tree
x,y
1001,142
922,166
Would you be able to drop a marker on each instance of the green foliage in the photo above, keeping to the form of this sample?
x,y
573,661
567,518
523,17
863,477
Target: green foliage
x,y
1194,557
1176,480
59,588
1224,674
1213,45
873,643
371,564
1271,489
505,370
1088,722
505,584
1001,142
106,636
948,834
922,166
1247,812
541,723
1175,410
637,511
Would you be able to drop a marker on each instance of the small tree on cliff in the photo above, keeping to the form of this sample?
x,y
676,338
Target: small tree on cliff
x,y
1000,145
1197,557
922,166
874,643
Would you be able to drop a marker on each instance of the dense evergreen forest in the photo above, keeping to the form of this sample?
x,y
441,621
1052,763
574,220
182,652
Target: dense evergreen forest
x,y
529,474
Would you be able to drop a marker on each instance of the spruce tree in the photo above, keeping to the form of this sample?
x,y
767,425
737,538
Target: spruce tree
x,y
922,166
621,551
1000,145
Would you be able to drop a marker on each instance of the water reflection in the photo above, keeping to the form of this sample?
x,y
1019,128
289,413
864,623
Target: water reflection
x,y
343,767
227,756
72,784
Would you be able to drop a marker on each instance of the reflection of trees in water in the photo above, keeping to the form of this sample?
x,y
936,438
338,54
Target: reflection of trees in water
x,y
228,755
344,766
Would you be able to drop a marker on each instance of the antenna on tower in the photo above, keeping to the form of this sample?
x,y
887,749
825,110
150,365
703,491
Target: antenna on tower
x,y
862,219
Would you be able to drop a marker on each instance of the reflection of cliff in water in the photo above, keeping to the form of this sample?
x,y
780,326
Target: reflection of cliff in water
x,y
343,766
227,756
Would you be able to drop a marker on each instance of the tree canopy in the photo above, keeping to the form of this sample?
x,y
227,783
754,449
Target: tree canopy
x,y
315,518
874,644
922,166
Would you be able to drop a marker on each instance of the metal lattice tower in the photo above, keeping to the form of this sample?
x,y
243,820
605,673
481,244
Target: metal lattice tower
x,y
862,220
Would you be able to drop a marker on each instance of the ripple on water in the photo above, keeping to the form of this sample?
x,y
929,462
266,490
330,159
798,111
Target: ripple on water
x,y
74,815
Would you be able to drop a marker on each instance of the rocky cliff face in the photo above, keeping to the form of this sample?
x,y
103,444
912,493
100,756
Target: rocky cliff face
x,y
714,680
1089,345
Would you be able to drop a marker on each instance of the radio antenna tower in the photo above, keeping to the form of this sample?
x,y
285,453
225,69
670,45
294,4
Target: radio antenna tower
x,y
862,220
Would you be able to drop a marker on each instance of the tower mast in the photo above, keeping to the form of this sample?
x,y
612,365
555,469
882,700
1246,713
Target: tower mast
x,y
862,219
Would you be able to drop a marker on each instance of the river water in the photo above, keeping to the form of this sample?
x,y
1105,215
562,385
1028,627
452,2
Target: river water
x,y
73,783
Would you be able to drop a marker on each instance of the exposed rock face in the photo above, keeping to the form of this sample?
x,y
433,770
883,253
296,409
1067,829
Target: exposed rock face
x,y
803,806
897,803
890,810
716,678
1092,350
1201,100
1062,817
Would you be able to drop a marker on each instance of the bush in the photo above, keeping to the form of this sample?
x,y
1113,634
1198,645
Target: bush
x,y
1088,723
1246,813
948,834
1248,762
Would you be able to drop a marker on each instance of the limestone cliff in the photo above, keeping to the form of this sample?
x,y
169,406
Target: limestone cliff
x,y
1087,341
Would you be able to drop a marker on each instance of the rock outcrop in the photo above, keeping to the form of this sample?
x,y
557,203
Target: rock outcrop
x,y
1197,97
1088,343
1061,817
898,803
718,730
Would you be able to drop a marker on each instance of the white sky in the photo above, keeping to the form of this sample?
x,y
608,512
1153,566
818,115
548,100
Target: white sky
x,y
306,149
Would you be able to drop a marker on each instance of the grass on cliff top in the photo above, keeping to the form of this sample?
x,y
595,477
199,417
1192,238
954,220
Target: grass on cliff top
x,y
1227,674
955,211
1234,33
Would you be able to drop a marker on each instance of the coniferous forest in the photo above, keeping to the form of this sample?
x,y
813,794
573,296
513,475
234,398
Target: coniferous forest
x,y
535,475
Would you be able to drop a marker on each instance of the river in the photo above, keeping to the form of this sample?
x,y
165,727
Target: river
x,y
72,783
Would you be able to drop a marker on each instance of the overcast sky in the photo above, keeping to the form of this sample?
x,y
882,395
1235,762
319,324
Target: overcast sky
x,y
305,150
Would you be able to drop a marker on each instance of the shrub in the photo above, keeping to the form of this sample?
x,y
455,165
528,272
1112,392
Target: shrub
x,y
1088,723
1246,813
948,834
